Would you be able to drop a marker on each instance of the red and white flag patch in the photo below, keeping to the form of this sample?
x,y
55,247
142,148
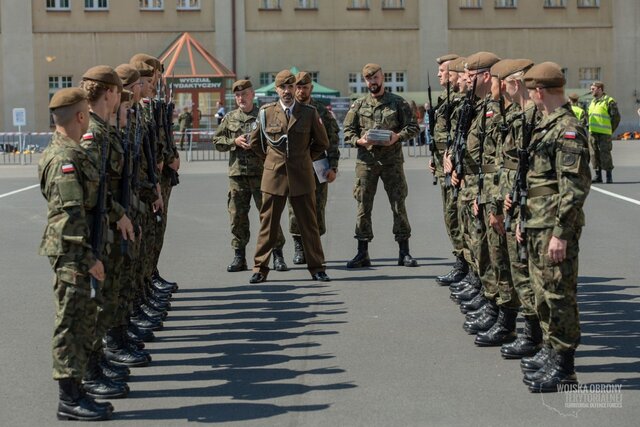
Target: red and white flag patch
x,y
489,114
68,168
570,135
87,136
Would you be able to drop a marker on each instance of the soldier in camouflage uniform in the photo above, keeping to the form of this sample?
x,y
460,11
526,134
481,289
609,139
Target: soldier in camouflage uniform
x,y
559,181
304,87
604,118
69,181
245,174
380,110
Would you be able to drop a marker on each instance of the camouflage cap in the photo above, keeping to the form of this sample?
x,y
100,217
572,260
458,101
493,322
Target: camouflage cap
x,y
143,68
127,74
506,67
544,75
285,77
457,65
241,85
103,74
303,78
126,96
370,69
481,61
147,59
448,57
66,97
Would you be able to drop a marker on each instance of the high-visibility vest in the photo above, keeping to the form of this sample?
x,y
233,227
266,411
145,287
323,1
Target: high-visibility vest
x,y
578,111
599,118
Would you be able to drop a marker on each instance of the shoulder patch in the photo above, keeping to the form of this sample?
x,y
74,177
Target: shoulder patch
x,y
68,168
570,135
87,136
488,114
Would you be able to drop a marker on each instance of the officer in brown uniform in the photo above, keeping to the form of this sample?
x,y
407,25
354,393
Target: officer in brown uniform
x,y
289,136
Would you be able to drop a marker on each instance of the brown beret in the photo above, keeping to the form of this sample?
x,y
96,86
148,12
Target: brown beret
x,y
66,97
241,85
506,67
546,74
126,95
303,78
447,57
143,68
147,59
598,83
127,74
103,74
457,65
481,61
370,69
285,77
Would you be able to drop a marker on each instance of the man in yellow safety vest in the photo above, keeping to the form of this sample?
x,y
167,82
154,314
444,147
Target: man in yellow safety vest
x,y
603,121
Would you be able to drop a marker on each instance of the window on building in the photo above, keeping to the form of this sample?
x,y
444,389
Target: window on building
x,y
55,84
96,4
267,77
555,3
470,4
151,4
393,4
358,4
314,75
307,4
506,4
588,75
188,5
269,4
394,81
58,5
588,3
357,83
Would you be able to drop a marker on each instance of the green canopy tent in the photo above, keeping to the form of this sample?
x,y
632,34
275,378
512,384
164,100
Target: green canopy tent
x,y
319,91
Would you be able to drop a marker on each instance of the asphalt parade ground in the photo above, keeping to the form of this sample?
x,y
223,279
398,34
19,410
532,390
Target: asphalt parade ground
x,y
381,346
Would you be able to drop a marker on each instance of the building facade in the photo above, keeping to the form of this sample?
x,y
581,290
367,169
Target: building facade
x,y
47,44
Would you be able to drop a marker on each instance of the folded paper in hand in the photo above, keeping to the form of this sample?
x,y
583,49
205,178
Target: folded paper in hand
x,y
321,167
379,136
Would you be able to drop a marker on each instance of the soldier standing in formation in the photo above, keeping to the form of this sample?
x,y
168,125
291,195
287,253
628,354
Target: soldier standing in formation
x,y
380,160
245,174
604,118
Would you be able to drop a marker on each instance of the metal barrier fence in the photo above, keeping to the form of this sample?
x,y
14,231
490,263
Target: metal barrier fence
x,y
17,148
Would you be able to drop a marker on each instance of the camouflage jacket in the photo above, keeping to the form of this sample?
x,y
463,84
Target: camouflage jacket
x,y
333,133
389,112
471,161
558,160
185,121
444,109
235,123
69,182
489,167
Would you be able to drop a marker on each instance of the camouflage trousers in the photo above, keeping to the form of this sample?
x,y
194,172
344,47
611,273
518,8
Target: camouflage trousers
x,y
145,265
451,223
241,190
555,287
520,275
600,147
364,191
500,264
469,244
475,234
129,281
75,321
161,226
322,192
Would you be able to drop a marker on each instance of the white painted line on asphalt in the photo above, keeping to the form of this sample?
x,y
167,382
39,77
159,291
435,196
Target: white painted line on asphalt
x,y
617,196
19,191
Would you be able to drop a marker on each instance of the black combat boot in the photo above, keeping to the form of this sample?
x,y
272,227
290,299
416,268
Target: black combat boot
x,y
484,322
537,361
527,344
404,257
111,371
530,377
503,331
471,279
298,251
120,352
239,262
491,308
597,178
98,386
156,276
278,260
457,273
362,257
160,285
561,372
477,302
466,294
74,405
141,320
136,333
609,177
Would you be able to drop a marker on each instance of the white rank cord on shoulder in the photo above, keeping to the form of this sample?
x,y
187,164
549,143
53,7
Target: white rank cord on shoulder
x,y
284,139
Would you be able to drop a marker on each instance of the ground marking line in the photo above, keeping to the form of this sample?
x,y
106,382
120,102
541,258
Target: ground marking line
x,y
23,189
617,196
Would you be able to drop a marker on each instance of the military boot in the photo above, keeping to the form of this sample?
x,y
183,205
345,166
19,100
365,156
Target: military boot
x,y
527,343
362,257
98,386
474,304
298,251
482,323
120,352
471,279
609,177
530,377
156,276
404,257
561,372
239,262
492,308
278,260
503,331
74,405
537,361
597,178
137,333
457,273
467,294
111,371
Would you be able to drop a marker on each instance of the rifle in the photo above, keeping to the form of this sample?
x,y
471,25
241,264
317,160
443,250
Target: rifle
x,y
125,188
481,136
447,112
100,212
462,131
168,130
148,145
431,113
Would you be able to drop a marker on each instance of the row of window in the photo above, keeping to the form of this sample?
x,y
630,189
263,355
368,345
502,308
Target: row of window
x,y
313,4
512,4
104,4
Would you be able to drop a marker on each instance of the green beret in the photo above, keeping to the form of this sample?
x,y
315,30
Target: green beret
x,y
66,97
370,69
147,59
303,78
481,61
544,75
143,68
241,85
285,77
457,65
127,74
448,57
506,67
103,74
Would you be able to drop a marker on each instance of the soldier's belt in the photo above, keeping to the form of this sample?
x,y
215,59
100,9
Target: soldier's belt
x,y
543,190
489,168
441,145
510,164
474,169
